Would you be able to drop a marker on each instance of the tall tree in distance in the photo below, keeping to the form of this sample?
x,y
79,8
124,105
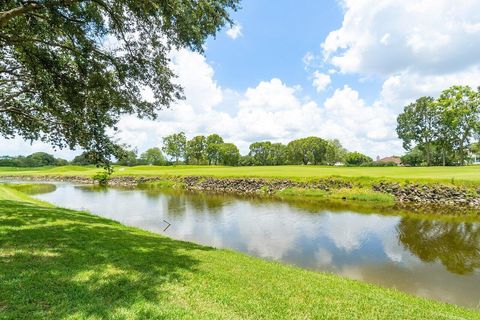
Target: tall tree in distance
x,y
307,150
278,154
418,125
335,152
175,145
195,151
70,69
357,159
212,148
260,152
153,156
461,116
229,154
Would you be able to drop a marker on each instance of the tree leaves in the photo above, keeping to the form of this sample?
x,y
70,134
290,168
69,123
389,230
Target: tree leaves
x,y
69,69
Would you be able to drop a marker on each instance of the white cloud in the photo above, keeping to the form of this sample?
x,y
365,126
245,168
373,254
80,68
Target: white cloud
x,y
359,126
399,89
17,146
235,31
349,231
390,36
417,47
321,81
270,110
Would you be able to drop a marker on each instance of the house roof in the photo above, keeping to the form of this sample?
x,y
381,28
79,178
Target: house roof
x,y
393,159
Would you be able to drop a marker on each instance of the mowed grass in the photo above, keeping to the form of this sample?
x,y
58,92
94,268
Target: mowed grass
x,y
62,264
468,174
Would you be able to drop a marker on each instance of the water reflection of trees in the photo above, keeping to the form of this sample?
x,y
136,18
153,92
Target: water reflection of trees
x,y
207,203
455,244
178,203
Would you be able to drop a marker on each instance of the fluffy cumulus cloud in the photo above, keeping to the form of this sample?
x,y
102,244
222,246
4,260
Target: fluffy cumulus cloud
x,y
235,31
390,36
417,47
271,110
360,126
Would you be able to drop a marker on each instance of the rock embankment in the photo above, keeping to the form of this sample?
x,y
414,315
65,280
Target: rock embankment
x,y
430,194
257,185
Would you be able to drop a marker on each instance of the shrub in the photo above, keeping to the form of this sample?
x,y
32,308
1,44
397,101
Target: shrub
x,y
357,159
102,178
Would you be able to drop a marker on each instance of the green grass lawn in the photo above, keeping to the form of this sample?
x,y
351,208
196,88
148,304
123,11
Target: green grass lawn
x,y
469,174
62,264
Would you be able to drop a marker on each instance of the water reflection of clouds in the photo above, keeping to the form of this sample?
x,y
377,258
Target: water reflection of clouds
x,y
405,253
349,230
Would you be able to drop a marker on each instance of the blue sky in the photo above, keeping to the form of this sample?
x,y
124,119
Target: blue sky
x,y
335,69
274,42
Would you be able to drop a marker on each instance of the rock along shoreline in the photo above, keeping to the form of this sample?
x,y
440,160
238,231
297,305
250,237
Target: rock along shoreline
x,y
408,193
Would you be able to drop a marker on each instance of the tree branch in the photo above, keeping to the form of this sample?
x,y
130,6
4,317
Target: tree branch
x,y
6,16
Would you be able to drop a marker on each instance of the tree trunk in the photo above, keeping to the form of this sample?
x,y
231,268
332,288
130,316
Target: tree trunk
x,y
443,156
429,157
462,154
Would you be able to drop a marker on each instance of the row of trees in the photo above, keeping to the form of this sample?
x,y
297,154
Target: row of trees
x,y
213,150
440,131
37,159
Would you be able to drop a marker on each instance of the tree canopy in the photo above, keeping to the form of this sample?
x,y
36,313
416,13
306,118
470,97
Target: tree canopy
x,y
175,146
70,69
152,156
443,128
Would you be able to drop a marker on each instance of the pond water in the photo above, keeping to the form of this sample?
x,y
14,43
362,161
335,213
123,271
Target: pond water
x,y
439,259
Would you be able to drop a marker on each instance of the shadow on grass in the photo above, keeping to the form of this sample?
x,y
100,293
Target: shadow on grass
x,y
59,263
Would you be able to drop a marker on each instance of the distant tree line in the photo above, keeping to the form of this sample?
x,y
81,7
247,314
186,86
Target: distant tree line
x,y
37,159
441,131
213,150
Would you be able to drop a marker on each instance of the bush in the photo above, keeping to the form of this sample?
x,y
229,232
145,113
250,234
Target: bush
x,y
357,159
102,178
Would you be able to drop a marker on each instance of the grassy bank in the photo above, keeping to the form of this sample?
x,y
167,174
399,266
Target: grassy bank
x,y
354,194
469,175
57,263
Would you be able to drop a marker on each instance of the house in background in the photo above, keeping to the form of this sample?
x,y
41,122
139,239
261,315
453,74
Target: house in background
x,y
474,158
392,159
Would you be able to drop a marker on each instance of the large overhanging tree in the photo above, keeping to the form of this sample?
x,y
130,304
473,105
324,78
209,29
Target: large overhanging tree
x,y
61,80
